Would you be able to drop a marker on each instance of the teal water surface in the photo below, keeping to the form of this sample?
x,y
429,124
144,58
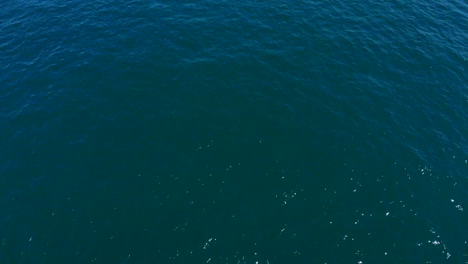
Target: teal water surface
x,y
153,131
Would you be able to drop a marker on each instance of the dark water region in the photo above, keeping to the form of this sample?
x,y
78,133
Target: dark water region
x,y
233,132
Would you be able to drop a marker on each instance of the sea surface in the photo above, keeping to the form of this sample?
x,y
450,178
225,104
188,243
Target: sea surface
x,y
202,131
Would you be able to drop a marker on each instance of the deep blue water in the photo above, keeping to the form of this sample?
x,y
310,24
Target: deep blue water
x,y
153,131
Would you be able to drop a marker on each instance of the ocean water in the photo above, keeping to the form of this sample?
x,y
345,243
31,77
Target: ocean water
x,y
200,131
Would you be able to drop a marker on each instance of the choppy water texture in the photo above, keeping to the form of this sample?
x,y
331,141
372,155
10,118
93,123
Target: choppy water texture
x,y
233,131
